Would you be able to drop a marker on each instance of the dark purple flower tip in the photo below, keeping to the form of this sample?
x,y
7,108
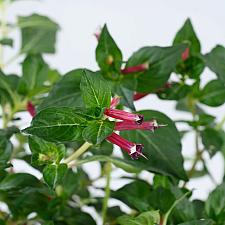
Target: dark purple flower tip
x,y
136,151
139,119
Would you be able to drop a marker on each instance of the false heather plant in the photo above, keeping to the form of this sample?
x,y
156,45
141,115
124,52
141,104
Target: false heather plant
x,y
88,116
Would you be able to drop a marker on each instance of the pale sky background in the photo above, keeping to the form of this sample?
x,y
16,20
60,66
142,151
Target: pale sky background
x,y
133,24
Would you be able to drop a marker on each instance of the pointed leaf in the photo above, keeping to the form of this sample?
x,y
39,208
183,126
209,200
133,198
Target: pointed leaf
x,y
108,55
58,124
162,61
38,34
53,174
159,146
96,91
97,131
66,92
187,35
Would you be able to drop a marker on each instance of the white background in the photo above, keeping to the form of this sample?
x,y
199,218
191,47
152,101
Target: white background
x,y
133,24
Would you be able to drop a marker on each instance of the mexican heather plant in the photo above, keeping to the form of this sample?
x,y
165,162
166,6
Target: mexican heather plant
x,y
79,117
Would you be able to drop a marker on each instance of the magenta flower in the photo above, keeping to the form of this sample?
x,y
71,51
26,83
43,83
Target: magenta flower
x,y
133,69
185,54
139,95
114,102
122,115
130,125
97,33
31,109
133,149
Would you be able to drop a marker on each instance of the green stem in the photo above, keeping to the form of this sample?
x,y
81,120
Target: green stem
x,y
78,152
165,218
108,170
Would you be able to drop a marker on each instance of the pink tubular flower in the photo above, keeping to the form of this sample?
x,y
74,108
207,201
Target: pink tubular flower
x,y
31,109
130,125
139,95
133,69
185,54
133,149
122,115
97,33
114,102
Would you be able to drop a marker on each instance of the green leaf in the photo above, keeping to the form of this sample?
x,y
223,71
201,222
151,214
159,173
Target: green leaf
x,y
162,61
7,41
35,72
108,55
105,148
18,181
72,216
38,34
212,140
123,164
215,204
215,61
175,92
66,92
178,201
198,222
145,218
159,146
44,152
5,87
97,131
191,67
135,195
213,94
183,208
126,96
58,124
95,90
53,174
5,152
187,35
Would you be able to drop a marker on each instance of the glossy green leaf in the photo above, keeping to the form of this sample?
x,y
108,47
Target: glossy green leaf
x,y
105,148
213,94
162,61
66,92
212,140
192,67
38,34
187,35
44,152
58,124
135,195
108,55
145,218
175,92
5,152
96,91
18,181
6,89
126,96
159,146
53,174
215,61
35,72
97,131
215,205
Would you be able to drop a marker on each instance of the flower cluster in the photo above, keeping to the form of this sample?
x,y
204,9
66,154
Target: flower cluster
x,y
130,121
